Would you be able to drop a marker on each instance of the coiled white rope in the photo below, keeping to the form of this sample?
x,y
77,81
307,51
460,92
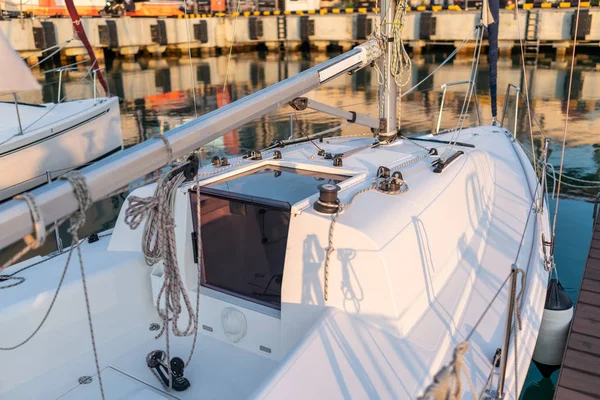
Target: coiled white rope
x,y
158,243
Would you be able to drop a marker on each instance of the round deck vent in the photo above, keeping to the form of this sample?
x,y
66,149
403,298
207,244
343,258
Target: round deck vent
x,y
234,324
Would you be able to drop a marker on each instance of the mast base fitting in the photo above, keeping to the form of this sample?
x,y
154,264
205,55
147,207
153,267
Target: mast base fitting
x,y
383,136
328,202
386,138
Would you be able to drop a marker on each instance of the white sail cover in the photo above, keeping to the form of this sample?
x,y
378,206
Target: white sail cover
x,y
15,76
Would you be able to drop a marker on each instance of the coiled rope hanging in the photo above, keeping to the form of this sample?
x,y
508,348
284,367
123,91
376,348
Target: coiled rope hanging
x,y
158,243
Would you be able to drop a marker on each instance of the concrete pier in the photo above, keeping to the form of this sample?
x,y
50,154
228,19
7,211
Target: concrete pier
x,y
128,36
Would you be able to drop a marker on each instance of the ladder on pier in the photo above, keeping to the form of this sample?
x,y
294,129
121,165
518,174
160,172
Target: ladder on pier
x,y
532,36
281,31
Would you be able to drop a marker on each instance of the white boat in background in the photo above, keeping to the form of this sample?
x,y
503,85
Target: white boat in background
x,y
43,141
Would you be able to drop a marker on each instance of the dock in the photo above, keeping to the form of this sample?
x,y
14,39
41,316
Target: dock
x,y
319,30
580,372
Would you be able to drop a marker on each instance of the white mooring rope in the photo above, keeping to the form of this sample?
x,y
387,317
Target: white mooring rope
x,y
84,199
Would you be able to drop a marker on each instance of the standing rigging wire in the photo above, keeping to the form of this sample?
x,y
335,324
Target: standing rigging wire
x,y
237,13
46,49
471,89
224,90
303,131
564,142
526,87
456,50
58,48
192,78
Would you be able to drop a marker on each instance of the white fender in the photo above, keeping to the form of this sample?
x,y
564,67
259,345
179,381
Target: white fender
x,y
552,336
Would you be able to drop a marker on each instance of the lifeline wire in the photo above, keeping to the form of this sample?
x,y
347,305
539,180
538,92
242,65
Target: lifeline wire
x,y
562,155
526,95
237,13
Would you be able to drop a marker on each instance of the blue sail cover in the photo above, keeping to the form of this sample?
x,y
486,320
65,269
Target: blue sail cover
x,y
492,30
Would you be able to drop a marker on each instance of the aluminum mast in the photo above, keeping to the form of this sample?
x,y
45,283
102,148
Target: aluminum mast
x,y
388,91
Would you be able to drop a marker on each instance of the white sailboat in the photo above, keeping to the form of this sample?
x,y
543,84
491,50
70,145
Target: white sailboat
x,y
42,141
348,267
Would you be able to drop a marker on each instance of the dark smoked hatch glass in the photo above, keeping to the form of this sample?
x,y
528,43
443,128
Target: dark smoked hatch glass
x,y
245,224
273,184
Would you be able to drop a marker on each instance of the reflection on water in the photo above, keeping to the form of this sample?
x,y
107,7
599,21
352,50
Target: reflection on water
x,y
156,96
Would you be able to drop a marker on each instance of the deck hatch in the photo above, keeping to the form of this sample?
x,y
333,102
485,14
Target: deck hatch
x,y
245,223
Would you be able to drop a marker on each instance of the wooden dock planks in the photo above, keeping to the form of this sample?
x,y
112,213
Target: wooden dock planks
x,y
580,373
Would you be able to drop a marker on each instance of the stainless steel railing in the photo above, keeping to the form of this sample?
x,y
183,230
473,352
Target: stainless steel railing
x,y
504,107
95,80
444,88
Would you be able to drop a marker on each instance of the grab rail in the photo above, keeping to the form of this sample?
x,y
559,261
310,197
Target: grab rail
x,y
95,72
60,72
445,87
518,89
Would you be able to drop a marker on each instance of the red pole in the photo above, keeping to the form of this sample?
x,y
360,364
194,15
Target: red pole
x,y
82,36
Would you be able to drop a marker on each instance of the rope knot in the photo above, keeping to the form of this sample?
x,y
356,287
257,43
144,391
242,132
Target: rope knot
x,y
138,208
83,196
447,383
38,221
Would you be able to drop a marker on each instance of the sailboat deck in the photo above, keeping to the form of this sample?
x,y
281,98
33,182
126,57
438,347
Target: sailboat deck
x,y
353,347
218,370
578,378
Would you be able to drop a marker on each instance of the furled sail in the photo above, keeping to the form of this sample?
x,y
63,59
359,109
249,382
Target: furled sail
x,y
491,19
16,75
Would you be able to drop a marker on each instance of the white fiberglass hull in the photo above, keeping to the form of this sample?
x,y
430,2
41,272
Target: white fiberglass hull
x,y
57,138
411,275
